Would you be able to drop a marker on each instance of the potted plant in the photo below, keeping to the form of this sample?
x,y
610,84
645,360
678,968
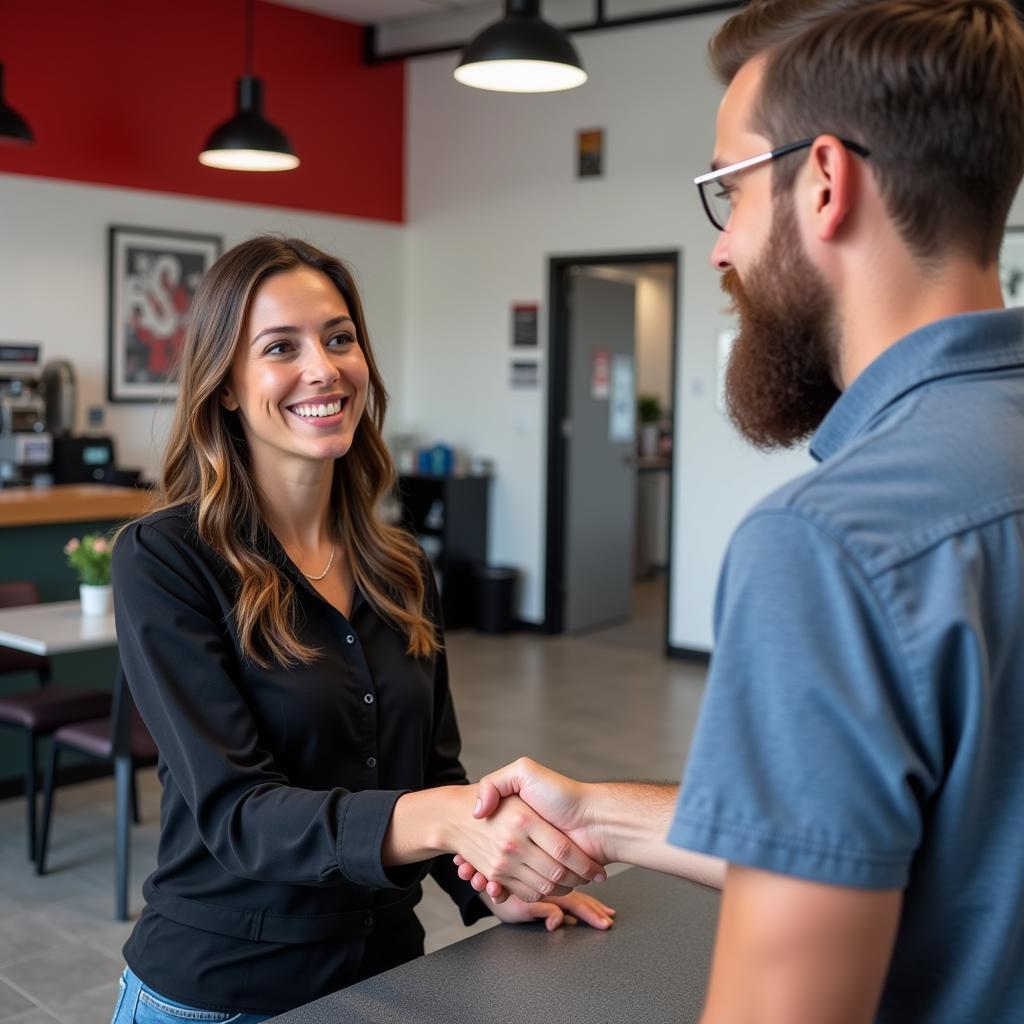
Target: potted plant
x,y
648,410
90,558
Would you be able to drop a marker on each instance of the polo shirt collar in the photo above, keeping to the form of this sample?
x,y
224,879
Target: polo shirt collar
x,y
968,343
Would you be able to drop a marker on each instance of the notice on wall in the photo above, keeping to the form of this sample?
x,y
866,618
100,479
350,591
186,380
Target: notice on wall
x,y
726,337
622,415
601,374
524,374
524,324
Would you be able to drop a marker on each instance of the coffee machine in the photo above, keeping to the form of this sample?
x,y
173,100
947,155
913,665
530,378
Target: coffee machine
x,y
26,448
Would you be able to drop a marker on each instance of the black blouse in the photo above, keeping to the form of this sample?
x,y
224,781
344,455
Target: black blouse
x,y
278,785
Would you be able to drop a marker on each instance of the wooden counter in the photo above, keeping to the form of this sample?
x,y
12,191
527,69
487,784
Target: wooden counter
x,y
71,503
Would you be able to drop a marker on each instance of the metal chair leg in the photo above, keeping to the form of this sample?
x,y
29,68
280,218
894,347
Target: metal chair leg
x,y
136,817
44,832
124,779
31,790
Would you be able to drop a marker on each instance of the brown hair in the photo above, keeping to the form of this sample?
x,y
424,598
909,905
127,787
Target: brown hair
x,y
206,465
933,88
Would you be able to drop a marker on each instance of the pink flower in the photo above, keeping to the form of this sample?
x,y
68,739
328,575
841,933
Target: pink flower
x,y
72,545
100,546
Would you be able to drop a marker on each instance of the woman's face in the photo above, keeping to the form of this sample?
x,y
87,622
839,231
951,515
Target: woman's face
x,y
299,378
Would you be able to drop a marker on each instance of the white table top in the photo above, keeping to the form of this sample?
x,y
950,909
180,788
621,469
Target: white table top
x,y
57,627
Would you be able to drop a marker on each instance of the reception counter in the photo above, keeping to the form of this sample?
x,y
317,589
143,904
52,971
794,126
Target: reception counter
x,y
652,966
71,503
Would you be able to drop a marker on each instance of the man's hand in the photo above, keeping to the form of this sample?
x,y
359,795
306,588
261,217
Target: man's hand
x,y
557,798
515,846
608,821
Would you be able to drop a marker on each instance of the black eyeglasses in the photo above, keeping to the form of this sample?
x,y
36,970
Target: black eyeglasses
x,y
718,202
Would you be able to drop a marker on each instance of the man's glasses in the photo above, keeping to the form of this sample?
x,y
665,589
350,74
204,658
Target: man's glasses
x,y
716,194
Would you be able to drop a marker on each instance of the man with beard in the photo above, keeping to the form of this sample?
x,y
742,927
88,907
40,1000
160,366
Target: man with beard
x,y
857,765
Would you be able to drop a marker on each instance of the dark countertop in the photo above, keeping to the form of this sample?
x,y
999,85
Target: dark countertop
x,y
651,966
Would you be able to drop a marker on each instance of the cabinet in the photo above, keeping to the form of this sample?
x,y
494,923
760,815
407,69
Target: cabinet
x,y
448,515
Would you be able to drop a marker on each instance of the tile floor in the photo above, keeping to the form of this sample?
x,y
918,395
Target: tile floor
x,y
607,705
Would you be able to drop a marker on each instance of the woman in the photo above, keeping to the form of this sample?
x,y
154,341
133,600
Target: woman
x,y
283,646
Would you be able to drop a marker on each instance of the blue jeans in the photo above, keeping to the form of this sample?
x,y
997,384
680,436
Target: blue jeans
x,y
139,1004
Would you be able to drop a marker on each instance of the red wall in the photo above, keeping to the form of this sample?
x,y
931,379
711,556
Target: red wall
x,y
125,93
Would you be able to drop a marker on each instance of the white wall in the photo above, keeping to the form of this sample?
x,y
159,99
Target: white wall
x,y
53,280
491,196
654,337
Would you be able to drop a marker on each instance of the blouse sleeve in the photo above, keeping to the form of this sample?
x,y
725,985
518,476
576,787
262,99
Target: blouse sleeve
x,y
445,768
182,672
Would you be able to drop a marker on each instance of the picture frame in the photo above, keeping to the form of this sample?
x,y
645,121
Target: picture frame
x,y
153,276
1011,266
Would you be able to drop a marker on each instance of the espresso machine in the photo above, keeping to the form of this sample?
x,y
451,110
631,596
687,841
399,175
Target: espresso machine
x,y
26,447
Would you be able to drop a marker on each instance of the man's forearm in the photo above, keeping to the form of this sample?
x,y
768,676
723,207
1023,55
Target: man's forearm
x,y
633,818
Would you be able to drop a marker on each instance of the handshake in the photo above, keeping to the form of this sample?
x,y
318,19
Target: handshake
x,y
537,834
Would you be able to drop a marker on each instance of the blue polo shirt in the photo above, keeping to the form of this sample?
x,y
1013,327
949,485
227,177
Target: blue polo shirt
x,y
863,723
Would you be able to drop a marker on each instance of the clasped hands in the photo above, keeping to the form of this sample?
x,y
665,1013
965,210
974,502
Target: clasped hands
x,y
545,847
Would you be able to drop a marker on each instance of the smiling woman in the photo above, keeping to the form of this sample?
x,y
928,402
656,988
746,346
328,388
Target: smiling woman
x,y
284,647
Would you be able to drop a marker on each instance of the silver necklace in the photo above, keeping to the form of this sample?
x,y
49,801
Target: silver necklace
x,y
330,562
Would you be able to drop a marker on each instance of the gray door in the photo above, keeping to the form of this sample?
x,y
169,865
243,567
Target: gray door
x,y
600,426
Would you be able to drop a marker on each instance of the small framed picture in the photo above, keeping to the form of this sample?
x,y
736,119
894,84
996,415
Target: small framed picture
x,y
1011,266
153,276
590,153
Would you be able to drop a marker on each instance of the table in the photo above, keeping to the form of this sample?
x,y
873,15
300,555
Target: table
x,y
652,966
56,627
59,627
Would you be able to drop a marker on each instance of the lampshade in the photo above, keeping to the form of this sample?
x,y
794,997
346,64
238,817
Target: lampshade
x,y
14,129
521,53
249,142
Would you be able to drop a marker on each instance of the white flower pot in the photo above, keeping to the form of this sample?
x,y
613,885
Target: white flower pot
x,y
95,600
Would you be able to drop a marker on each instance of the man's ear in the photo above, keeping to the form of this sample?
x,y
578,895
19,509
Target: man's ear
x,y
833,184
227,398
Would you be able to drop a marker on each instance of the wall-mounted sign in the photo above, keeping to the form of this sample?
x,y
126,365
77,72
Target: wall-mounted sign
x,y
601,374
524,324
524,374
590,153
622,411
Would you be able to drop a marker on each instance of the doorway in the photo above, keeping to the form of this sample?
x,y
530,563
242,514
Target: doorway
x,y
611,405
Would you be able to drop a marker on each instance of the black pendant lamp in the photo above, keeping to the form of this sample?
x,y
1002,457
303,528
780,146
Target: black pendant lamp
x,y
249,142
521,53
14,129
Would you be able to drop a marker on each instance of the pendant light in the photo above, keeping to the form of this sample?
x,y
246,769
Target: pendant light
x,y
249,142
14,129
521,53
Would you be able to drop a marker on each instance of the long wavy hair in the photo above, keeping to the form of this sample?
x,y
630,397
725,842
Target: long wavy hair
x,y
207,466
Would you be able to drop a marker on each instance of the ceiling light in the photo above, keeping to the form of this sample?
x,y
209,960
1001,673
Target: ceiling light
x,y
521,53
249,142
14,128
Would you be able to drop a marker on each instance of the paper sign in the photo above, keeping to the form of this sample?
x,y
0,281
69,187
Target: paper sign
x,y
600,375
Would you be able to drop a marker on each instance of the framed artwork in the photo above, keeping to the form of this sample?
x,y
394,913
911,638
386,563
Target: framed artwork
x,y
153,276
1011,267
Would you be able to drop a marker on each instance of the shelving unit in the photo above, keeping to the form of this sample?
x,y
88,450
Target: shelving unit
x,y
449,516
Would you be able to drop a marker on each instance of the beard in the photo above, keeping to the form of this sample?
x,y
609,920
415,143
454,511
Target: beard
x,y
780,382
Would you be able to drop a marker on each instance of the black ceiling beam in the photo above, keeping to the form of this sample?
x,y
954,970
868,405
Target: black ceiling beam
x,y
370,55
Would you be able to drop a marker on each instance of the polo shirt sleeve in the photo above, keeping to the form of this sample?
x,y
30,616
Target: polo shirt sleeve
x,y
182,673
804,760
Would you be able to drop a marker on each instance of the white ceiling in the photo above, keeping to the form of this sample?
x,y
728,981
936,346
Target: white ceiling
x,y
365,11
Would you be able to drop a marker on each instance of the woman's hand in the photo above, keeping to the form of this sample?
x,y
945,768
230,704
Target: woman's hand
x,y
514,848
556,911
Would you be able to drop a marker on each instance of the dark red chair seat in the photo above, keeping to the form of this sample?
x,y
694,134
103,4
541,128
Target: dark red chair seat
x,y
50,707
96,738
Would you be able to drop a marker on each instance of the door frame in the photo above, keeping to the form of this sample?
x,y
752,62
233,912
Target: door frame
x,y
558,401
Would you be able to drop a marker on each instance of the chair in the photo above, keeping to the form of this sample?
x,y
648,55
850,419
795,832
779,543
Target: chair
x,y
39,712
122,739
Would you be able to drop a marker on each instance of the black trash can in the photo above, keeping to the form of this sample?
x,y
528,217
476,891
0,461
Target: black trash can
x,y
495,592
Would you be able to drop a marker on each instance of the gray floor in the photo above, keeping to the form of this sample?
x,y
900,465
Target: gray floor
x,y
607,705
